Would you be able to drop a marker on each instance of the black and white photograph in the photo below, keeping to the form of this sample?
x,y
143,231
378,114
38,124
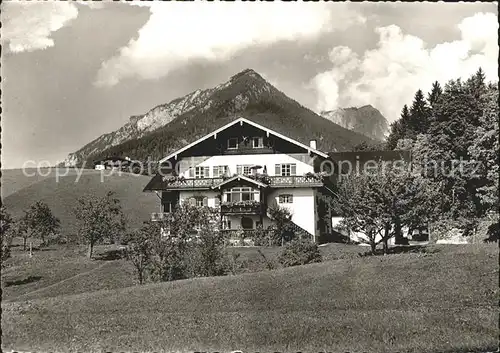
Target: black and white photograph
x,y
249,176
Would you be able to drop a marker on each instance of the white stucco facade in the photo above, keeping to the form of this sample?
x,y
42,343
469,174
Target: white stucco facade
x,y
303,163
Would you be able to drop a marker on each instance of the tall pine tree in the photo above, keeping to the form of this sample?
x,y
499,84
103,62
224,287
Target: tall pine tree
x,y
434,94
398,128
419,115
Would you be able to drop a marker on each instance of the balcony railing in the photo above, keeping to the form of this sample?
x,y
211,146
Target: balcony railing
x,y
294,181
272,181
204,183
245,207
160,216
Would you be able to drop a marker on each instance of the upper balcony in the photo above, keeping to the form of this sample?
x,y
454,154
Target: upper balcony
x,y
242,207
292,181
179,183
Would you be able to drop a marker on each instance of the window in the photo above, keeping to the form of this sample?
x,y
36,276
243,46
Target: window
x,y
232,143
244,169
199,172
286,169
226,224
167,207
241,194
199,201
286,198
258,142
220,170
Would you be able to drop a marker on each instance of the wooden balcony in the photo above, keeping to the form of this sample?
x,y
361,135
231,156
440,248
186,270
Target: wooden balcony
x,y
160,216
293,181
242,208
189,184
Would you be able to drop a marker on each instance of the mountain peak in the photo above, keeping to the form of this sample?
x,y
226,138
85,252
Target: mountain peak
x,y
246,93
247,73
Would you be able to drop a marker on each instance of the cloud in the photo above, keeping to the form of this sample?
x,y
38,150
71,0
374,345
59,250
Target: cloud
x,y
179,32
27,26
388,76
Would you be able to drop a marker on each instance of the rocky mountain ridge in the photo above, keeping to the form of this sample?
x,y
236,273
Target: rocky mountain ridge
x,y
169,126
365,120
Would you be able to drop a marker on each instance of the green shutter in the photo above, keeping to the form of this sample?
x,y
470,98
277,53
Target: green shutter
x,y
215,171
206,172
293,169
277,169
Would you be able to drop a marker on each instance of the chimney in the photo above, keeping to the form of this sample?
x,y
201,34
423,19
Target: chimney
x,y
312,144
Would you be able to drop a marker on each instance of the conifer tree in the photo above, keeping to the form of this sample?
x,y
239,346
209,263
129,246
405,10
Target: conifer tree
x,y
398,128
419,115
434,94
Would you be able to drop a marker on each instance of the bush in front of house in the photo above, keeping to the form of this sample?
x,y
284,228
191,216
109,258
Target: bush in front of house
x,y
207,256
299,252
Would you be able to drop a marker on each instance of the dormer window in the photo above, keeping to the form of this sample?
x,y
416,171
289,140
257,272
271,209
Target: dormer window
x,y
232,143
258,142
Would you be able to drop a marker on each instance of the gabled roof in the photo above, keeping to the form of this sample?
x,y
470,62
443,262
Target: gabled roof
x,y
241,121
239,177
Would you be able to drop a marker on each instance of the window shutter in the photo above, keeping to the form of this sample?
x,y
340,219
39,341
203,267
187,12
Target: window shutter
x,y
239,169
206,173
215,171
192,201
293,169
191,172
205,201
277,169
217,202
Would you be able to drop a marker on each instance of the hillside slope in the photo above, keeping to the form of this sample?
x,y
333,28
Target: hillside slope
x,y
435,302
245,94
365,120
16,179
61,196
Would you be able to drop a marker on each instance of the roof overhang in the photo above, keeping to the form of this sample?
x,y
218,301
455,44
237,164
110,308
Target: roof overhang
x,y
239,178
241,121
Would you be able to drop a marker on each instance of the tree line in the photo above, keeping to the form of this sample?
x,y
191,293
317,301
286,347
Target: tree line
x,y
452,181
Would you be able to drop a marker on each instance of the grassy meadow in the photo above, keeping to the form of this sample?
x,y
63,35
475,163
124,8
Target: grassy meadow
x,y
438,298
442,298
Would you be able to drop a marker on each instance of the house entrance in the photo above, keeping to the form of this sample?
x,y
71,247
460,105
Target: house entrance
x,y
246,223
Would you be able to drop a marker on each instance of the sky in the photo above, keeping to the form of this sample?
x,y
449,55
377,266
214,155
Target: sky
x,y
72,71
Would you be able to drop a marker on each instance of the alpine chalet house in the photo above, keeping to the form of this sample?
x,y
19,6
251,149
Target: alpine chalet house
x,y
243,168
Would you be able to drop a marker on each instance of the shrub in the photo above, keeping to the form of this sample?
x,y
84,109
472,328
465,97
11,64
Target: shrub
x,y
260,237
299,252
139,250
207,256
